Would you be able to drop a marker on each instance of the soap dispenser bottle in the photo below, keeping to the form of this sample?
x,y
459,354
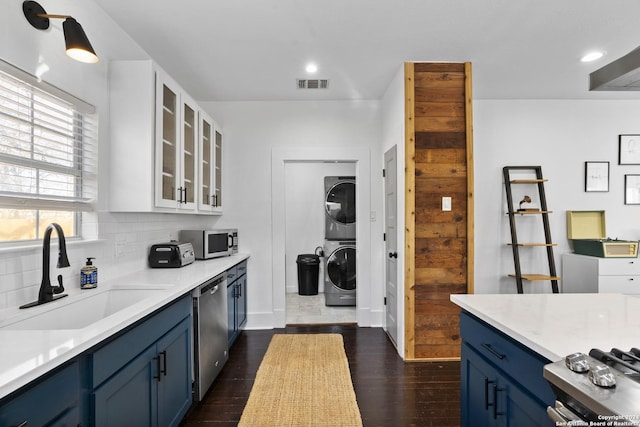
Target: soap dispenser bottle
x,y
89,275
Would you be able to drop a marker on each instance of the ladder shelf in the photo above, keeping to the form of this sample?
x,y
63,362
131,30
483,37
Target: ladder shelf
x,y
539,182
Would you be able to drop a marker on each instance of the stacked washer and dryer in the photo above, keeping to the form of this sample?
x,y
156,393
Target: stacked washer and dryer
x,y
340,240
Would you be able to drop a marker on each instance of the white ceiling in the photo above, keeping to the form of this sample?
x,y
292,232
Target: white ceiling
x,y
228,50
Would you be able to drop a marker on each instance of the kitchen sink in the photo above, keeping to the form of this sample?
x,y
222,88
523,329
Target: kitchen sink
x,y
78,312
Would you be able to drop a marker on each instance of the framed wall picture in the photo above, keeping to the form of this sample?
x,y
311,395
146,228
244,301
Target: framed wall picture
x,y
596,176
632,189
629,150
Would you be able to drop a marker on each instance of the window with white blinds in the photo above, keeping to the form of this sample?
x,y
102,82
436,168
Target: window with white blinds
x,y
47,150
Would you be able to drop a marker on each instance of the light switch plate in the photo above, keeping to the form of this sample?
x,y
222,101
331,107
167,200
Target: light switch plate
x,y
446,203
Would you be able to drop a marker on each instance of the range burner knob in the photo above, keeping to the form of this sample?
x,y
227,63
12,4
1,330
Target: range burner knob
x,y
577,362
602,376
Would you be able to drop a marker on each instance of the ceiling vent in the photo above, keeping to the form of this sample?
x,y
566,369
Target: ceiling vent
x,y
312,83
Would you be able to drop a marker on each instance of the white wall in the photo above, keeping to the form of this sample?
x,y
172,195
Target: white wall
x,y
307,131
305,212
559,136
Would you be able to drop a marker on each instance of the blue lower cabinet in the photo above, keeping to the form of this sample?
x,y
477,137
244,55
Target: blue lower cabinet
x,y
174,384
128,398
151,390
52,401
522,409
479,404
491,399
154,388
501,382
232,327
236,300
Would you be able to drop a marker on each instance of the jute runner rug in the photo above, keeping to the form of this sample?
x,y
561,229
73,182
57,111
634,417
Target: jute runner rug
x,y
303,380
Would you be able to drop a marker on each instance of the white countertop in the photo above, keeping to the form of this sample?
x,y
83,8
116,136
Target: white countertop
x,y
27,354
555,325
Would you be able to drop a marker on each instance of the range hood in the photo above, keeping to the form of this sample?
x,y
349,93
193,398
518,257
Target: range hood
x,y
623,74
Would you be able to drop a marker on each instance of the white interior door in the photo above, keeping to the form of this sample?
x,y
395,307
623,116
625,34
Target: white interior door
x,y
391,243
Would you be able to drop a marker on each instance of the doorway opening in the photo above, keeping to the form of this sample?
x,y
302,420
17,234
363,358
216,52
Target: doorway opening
x,y
320,220
283,162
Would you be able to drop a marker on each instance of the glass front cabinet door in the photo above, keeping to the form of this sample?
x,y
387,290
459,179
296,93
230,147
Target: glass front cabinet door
x,y
176,146
210,194
218,177
167,145
187,190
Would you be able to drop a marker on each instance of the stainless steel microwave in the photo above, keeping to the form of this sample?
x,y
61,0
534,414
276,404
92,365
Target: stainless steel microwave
x,y
211,243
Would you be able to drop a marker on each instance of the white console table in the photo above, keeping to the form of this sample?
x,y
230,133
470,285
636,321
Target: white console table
x,y
589,274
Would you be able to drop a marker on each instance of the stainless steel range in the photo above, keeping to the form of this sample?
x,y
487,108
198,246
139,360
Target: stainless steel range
x,y
598,389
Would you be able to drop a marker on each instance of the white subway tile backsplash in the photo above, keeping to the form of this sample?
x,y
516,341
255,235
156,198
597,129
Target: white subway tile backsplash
x,y
11,282
122,248
21,296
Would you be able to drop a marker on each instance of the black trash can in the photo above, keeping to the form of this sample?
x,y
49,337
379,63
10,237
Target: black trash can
x,y
308,271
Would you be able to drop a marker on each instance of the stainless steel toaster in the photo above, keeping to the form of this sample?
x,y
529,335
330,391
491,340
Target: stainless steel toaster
x,y
171,255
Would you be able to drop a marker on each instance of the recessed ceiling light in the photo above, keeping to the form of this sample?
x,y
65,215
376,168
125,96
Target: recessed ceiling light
x,y
311,68
592,56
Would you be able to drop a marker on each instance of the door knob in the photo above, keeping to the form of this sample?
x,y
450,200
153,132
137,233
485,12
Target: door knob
x,y
393,254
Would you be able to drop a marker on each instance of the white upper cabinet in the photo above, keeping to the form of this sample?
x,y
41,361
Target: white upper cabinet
x,y
158,157
176,146
210,157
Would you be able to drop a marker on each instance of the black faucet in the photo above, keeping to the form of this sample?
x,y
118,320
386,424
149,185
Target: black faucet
x,y
46,290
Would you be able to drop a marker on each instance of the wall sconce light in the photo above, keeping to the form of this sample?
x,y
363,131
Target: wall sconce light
x,y
78,46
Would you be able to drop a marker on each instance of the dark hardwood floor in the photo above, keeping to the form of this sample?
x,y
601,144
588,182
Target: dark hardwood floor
x,y
389,391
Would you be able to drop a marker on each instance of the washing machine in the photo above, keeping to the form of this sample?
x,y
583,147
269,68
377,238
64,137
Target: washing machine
x,y
340,207
340,272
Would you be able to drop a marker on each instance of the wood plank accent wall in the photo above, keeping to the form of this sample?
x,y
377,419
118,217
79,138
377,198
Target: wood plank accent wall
x,y
438,244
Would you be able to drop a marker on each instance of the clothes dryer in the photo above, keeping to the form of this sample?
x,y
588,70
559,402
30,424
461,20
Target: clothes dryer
x,y
340,207
340,272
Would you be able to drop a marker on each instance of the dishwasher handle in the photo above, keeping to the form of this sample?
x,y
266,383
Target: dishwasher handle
x,y
212,286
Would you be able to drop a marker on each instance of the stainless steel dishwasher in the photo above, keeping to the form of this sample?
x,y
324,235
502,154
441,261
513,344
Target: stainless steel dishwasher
x,y
210,332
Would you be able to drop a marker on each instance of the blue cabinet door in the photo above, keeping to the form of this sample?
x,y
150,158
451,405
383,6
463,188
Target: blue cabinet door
x,y
236,300
129,398
241,297
154,389
478,395
522,409
52,401
174,381
231,313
